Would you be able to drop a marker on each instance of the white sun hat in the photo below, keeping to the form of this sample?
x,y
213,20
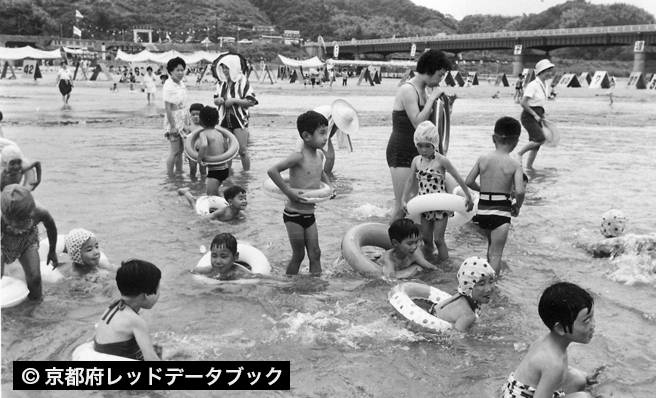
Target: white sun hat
x,y
345,116
543,65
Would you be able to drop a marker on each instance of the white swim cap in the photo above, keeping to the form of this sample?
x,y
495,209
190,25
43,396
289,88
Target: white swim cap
x,y
9,153
427,132
613,223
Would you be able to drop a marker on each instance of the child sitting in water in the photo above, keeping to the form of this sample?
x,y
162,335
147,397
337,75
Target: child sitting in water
x,y
223,260
20,235
236,198
404,260
500,175
476,285
567,310
194,112
212,143
14,167
121,331
84,251
427,172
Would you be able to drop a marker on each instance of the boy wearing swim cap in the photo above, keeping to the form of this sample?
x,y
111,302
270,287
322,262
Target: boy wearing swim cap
x,y
403,260
21,216
500,175
476,284
14,167
194,112
122,331
568,311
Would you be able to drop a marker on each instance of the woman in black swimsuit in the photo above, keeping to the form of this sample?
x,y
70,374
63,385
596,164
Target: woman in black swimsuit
x,y
412,106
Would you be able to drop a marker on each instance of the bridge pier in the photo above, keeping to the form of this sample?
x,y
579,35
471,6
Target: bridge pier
x,y
639,59
528,57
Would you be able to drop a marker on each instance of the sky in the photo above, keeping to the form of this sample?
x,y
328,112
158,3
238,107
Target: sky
x,y
462,8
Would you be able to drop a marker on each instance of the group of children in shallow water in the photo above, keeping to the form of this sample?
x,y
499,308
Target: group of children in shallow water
x,y
566,309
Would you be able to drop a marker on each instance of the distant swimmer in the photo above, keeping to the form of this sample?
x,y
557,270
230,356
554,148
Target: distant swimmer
x,y
235,198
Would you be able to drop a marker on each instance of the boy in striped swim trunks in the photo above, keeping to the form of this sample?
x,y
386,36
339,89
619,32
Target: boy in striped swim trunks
x,y
500,175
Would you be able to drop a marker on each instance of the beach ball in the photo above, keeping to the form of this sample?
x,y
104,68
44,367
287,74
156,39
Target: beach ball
x,y
613,223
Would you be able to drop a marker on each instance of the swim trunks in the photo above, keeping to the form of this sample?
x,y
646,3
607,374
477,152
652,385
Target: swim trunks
x,y
431,181
515,389
531,125
493,210
304,220
128,349
401,147
220,175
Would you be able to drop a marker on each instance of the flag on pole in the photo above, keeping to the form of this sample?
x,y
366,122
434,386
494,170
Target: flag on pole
x,y
78,14
77,32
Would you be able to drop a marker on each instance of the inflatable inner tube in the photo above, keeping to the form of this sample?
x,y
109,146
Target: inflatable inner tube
x,y
322,194
368,234
12,291
441,118
208,204
85,352
441,201
233,149
401,297
250,259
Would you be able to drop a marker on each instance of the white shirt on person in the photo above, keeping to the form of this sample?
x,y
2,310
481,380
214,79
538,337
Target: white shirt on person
x,y
537,93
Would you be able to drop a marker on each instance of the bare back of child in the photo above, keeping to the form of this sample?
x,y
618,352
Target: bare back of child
x,y
212,143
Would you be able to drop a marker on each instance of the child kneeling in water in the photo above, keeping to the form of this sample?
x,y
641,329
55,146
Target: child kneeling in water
x,y
121,331
403,260
475,287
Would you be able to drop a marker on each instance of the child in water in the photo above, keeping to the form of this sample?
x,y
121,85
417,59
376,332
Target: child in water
x,y
21,216
476,284
427,171
237,202
212,143
404,260
14,167
83,248
223,260
568,311
121,331
194,112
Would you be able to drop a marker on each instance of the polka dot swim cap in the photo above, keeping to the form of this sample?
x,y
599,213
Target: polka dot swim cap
x,y
613,223
471,271
74,241
427,132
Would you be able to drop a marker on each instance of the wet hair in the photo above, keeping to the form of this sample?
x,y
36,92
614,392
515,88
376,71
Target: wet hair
x,y
150,68
310,121
174,62
403,229
231,192
507,130
225,240
137,276
196,107
561,303
209,116
64,63
431,61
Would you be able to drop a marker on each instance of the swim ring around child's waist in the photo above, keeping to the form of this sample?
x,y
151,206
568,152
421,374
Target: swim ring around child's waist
x,y
441,201
321,194
206,204
250,259
231,152
368,234
401,297
12,291
85,352
48,274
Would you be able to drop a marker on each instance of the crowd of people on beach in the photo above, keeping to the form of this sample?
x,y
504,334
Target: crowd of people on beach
x,y
210,135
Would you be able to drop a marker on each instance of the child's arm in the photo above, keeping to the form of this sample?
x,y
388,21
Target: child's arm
x,y
465,322
446,163
519,191
202,148
42,215
218,214
419,259
142,335
473,175
274,173
36,166
411,183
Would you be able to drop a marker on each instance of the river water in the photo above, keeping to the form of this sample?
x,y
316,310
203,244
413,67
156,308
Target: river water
x,y
343,338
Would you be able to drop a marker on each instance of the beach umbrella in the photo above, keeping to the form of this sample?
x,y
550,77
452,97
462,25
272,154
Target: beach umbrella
x,y
215,64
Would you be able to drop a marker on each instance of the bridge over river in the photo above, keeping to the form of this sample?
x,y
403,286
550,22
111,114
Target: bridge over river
x,y
526,45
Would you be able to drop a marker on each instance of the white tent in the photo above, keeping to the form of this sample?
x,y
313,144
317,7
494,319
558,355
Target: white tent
x,y
10,54
313,62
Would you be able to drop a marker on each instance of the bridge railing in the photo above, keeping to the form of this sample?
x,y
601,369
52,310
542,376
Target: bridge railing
x,y
496,35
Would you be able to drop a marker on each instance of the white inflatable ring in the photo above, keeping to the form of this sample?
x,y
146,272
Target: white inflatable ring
x,y
440,201
322,194
248,254
401,297
551,133
12,291
85,352
205,203
226,156
368,234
